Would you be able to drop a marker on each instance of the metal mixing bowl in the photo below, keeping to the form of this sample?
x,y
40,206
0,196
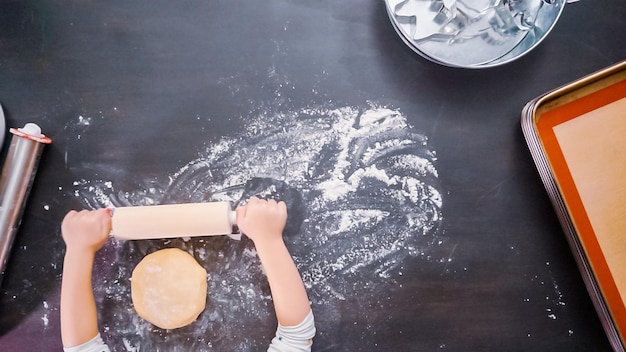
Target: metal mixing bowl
x,y
473,33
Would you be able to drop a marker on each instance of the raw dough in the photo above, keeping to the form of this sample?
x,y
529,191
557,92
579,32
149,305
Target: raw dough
x,y
169,288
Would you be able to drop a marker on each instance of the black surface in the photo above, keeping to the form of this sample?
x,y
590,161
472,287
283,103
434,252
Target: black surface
x,y
511,283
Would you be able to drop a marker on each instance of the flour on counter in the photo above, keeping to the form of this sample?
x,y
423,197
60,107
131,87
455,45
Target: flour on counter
x,y
45,320
363,196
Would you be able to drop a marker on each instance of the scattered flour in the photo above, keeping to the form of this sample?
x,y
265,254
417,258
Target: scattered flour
x,y
365,194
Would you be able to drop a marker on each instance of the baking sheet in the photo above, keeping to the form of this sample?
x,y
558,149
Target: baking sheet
x,y
578,139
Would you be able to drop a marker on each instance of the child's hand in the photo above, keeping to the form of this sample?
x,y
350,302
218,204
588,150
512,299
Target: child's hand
x,y
262,220
86,230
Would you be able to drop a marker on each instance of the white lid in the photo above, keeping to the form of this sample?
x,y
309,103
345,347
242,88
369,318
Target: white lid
x,y
32,130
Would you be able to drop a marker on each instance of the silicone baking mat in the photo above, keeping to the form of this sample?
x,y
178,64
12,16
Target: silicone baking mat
x,y
580,132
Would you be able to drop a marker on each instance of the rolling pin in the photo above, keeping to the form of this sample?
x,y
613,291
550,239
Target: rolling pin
x,y
174,220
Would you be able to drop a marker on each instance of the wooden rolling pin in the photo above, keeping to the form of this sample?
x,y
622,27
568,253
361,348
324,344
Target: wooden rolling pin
x,y
175,220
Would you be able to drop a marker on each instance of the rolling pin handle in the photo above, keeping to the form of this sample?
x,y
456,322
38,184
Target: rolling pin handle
x,y
232,218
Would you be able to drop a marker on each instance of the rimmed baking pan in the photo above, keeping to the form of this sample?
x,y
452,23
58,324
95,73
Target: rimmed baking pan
x,y
577,137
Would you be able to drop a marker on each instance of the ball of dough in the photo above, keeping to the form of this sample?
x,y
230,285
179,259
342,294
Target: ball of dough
x,y
169,288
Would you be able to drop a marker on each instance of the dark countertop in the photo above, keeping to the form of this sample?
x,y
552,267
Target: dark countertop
x,y
135,94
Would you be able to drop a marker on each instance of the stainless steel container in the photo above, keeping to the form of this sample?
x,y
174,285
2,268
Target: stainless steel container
x,y
18,173
473,33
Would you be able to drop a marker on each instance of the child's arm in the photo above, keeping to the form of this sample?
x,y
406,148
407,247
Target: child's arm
x,y
84,234
263,222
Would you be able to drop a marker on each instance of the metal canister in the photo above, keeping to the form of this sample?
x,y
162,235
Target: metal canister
x,y
18,173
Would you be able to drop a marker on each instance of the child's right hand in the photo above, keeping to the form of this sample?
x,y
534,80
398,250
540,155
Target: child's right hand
x,y
262,220
86,230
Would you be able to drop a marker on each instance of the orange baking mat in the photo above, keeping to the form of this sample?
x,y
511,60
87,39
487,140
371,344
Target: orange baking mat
x,y
584,139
